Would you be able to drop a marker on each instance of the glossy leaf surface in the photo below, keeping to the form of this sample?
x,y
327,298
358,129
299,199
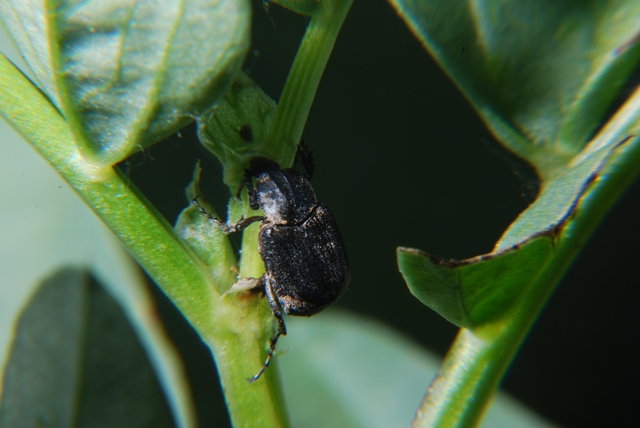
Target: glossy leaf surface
x,y
127,73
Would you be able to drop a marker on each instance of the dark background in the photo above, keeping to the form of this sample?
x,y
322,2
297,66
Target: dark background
x,y
403,160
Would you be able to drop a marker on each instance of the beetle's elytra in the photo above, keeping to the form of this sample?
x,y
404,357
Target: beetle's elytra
x,y
306,265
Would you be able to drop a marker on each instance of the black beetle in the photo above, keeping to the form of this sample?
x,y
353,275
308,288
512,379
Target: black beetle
x,y
306,265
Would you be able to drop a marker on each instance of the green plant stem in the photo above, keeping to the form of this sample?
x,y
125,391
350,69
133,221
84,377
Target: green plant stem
x,y
228,324
293,110
478,359
304,78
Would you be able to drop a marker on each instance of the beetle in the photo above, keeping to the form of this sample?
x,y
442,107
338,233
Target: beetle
x,y
306,264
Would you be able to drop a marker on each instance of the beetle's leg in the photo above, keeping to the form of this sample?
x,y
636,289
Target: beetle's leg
x,y
241,225
227,228
274,305
282,330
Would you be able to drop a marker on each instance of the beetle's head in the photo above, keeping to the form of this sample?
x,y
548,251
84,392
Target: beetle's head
x,y
285,195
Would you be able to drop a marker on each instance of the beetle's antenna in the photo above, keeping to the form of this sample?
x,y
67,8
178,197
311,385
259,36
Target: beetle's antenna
x,y
305,157
206,213
243,182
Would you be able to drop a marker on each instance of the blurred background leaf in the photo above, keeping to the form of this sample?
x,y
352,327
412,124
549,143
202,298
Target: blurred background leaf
x,y
76,360
365,375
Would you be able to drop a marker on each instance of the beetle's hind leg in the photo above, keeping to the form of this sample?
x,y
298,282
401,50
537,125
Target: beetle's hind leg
x,y
282,329
225,227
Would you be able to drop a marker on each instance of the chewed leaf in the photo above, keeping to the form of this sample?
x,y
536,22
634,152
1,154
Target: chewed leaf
x,y
556,200
206,239
542,76
127,73
236,128
476,291
560,194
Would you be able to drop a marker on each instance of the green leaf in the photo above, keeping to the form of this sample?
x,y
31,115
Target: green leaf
x,y
559,196
76,360
540,73
365,375
127,73
476,291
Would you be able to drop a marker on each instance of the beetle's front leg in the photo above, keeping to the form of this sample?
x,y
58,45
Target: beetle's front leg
x,y
241,225
225,227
